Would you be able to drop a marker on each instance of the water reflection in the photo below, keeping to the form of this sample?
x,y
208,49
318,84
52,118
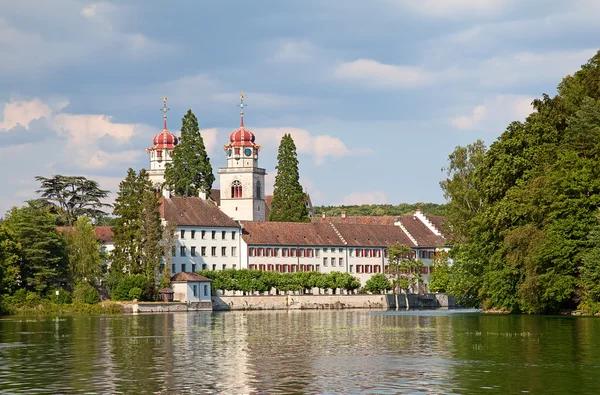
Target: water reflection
x,y
350,352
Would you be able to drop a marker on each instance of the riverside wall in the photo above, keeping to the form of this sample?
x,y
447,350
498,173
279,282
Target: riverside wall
x,y
158,307
301,302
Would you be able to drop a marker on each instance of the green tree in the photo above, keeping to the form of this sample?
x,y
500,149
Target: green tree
x,y
150,234
190,171
71,197
83,252
168,245
289,200
440,272
403,271
42,256
378,283
126,255
10,251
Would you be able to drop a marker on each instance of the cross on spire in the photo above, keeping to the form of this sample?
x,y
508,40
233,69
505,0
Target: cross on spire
x,y
241,106
164,110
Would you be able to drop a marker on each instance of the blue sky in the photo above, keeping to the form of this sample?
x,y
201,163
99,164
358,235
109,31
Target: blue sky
x,y
375,93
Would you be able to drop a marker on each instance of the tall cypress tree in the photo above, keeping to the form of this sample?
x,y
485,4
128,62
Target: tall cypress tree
x,y
190,171
289,201
150,235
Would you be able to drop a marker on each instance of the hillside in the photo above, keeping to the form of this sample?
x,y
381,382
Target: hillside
x,y
381,209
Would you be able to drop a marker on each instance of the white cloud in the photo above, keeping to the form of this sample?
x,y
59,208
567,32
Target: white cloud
x,y
210,140
319,147
294,52
101,159
453,8
374,74
22,112
89,11
358,198
495,113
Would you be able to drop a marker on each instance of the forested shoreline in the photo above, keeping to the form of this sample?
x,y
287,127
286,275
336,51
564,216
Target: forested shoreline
x,y
524,213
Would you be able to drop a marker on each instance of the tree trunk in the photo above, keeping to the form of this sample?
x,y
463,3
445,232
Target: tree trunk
x,y
406,300
397,301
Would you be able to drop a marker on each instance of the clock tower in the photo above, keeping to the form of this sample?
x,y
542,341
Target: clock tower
x,y
242,181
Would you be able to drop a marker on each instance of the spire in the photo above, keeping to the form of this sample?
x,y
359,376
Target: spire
x,y
241,106
164,110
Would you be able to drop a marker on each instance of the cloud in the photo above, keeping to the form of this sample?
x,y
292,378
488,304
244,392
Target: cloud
x,y
21,112
495,113
319,147
374,74
210,140
294,52
359,198
454,8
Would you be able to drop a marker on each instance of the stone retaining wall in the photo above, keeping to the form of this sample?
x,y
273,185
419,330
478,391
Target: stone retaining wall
x,y
151,307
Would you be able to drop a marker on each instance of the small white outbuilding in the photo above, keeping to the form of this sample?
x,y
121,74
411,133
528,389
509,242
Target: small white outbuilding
x,y
190,288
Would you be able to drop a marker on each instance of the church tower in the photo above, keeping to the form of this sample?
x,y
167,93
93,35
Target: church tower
x,y
242,181
161,151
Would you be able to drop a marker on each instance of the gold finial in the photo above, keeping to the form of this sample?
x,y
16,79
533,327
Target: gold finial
x,y
164,110
241,106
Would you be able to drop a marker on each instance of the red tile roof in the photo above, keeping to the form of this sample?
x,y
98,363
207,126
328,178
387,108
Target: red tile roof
x,y
439,222
187,276
104,234
322,234
215,195
194,211
289,233
420,232
373,235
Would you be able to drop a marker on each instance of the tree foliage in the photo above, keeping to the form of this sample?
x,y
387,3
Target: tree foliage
x,y
526,248
42,258
137,230
190,171
10,251
378,283
381,209
83,252
440,273
289,200
70,197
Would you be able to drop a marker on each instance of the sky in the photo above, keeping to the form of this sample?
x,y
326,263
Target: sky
x,y
376,94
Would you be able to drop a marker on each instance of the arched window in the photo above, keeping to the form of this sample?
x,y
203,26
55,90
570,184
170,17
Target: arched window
x,y
258,195
236,189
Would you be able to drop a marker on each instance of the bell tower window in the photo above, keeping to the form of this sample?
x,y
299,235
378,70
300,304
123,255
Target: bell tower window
x,y
258,195
236,189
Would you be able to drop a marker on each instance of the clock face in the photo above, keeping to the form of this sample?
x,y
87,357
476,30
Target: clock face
x,y
229,152
248,152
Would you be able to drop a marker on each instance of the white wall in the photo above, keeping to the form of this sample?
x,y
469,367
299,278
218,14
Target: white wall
x,y
218,262
184,291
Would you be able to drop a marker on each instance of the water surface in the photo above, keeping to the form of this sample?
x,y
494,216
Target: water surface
x,y
325,352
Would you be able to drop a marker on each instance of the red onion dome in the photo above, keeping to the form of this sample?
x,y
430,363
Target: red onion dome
x,y
241,137
164,139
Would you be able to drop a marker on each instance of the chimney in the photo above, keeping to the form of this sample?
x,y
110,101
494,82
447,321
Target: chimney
x,y
344,214
202,195
166,192
323,215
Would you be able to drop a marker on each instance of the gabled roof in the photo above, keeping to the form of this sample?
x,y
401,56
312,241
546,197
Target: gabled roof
x,y
373,235
187,276
439,222
104,234
289,233
194,211
215,195
420,232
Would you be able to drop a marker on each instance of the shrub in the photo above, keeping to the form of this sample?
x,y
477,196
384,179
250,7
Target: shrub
x,y
378,283
120,291
135,293
85,293
63,297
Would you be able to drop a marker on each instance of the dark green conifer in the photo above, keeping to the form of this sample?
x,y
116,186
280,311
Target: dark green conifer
x,y
289,200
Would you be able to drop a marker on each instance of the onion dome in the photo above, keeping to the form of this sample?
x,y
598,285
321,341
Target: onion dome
x,y
165,139
241,137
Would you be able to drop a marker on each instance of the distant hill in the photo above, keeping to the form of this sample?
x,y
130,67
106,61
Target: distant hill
x,y
381,209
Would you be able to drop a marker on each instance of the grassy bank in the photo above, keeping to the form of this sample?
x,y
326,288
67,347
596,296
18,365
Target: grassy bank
x,y
50,308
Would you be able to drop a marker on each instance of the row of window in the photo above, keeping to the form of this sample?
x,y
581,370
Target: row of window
x,y
192,232
194,267
204,290
286,268
427,254
203,251
314,252
340,261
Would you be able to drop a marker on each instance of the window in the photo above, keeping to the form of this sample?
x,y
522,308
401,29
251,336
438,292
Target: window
x,y
233,235
285,252
214,234
318,268
193,234
258,190
317,252
341,261
194,267
204,266
223,235
234,266
224,267
203,251
182,233
195,288
276,252
213,251
332,261
172,268
205,290
236,189
204,234
182,251
325,249
233,251
341,250
223,251
183,267
324,261
193,251
214,267
351,269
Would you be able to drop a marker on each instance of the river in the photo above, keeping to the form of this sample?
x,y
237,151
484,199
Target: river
x,y
323,351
